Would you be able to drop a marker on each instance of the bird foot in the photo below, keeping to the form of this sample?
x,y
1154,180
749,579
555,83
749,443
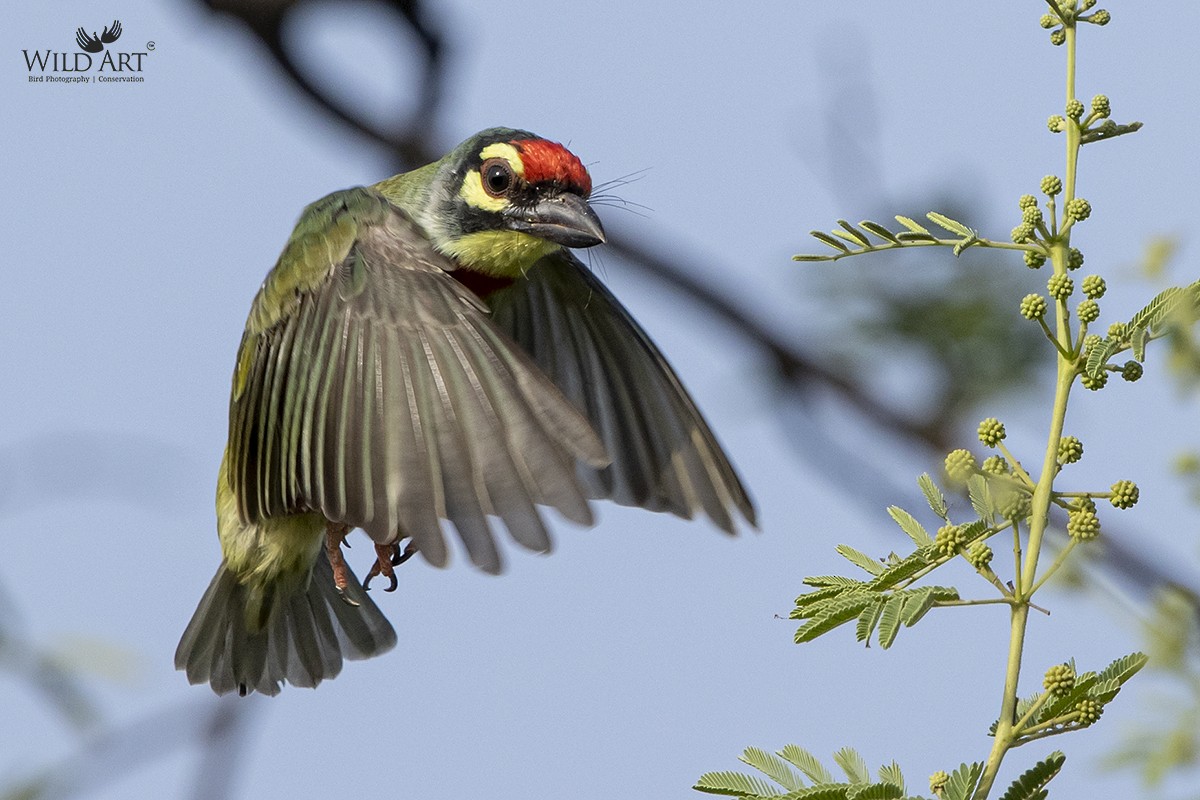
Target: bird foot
x,y
335,537
387,557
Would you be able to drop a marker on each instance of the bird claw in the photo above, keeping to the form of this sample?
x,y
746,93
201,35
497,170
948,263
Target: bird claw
x,y
335,537
388,556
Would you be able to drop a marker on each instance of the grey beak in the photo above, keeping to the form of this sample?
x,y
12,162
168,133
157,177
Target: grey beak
x,y
564,219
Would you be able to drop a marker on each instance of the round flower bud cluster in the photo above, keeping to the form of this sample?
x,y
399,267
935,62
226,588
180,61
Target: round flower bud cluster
x,y
1033,306
1084,5
1057,123
995,465
1051,185
949,539
979,554
1013,504
1083,525
1022,233
1074,108
1088,311
1074,258
1094,287
1032,214
1057,37
1118,330
1060,287
1124,494
1034,260
1090,341
1078,209
1094,384
1089,711
1070,450
1027,201
939,779
960,465
1101,17
1048,21
1059,680
991,431
1131,371
1100,106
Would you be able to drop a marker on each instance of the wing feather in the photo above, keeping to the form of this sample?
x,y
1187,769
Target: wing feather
x,y
384,397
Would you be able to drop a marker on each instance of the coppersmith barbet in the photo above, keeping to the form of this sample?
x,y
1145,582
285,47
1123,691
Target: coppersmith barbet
x,y
428,349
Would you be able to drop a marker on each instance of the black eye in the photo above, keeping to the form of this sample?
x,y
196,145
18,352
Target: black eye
x,y
497,177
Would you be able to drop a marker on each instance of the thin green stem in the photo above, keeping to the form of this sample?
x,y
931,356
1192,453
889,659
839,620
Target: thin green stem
x,y
1058,562
987,601
1019,728
1018,470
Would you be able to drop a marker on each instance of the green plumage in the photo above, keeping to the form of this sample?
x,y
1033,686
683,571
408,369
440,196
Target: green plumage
x,y
374,390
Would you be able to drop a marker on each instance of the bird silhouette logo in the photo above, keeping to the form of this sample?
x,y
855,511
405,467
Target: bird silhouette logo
x,y
94,43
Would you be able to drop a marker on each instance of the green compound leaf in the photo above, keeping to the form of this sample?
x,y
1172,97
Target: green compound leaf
x,y
1124,668
875,791
913,226
1099,355
1137,341
933,495
833,614
963,781
908,236
890,773
825,238
867,621
807,763
908,523
773,767
901,570
889,621
854,234
981,498
735,784
878,230
853,764
1032,784
860,559
823,581
954,226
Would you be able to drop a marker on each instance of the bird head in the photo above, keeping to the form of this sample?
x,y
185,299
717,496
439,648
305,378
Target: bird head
x,y
500,201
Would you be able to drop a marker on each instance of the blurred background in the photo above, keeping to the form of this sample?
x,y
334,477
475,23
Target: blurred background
x,y
140,218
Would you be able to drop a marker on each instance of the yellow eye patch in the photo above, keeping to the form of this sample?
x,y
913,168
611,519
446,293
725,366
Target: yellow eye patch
x,y
507,152
472,188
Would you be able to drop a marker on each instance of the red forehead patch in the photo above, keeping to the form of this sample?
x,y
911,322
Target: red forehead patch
x,y
550,161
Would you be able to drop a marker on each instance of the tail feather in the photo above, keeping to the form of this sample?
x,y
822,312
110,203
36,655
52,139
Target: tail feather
x,y
306,636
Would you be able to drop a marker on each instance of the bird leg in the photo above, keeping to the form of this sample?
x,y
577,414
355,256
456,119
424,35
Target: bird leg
x,y
388,556
335,537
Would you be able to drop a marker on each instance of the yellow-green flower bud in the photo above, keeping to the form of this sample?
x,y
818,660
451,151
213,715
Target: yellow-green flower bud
x,y
1074,258
1131,371
1057,123
1094,384
1118,330
1101,17
1094,287
938,781
1088,311
1051,185
1033,306
949,540
1100,106
1034,259
1070,450
979,554
1089,711
1022,233
1059,680
991,431
1060,287
1057,37
1078,209
995,465
960,465
1083,525
1027,201
1124,494
1012,503
1048,21
1074,108
1084,5
1032,215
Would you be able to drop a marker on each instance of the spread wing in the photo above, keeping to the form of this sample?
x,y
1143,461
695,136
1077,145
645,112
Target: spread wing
x,y
664,456
372,387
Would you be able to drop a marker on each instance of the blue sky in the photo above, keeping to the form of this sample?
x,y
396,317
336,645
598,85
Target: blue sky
x,y
140,220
